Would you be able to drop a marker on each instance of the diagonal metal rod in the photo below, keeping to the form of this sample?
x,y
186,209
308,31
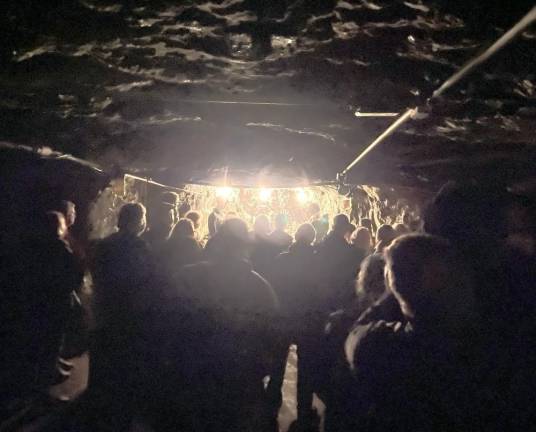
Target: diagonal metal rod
x,y
398,122
506,38
510,35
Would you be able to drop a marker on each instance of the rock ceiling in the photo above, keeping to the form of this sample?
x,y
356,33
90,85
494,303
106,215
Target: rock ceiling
x,y
185,89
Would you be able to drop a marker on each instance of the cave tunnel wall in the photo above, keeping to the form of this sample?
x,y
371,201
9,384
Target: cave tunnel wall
x,y
33,184
385,204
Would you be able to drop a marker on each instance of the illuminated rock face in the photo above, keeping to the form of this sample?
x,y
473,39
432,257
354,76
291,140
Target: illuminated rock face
x,y
135,85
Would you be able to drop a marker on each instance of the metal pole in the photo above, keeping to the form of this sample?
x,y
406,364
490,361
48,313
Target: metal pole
x,y
506,38
399,121
510,35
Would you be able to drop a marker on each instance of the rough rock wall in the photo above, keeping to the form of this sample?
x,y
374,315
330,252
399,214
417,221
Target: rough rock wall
x,y
34,182
388,205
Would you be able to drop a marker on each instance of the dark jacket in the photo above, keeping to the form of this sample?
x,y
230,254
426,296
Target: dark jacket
x,y
294,280
337,267
224,339
262,255
35,292
411,379
281,240
214,221
178,252
124,279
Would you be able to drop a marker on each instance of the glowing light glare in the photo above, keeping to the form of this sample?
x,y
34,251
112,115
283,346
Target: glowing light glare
x,y
224,192
265,194
302,196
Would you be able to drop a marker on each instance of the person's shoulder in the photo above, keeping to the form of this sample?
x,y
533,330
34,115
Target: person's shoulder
x,y
136,244
262,285
258,280
192,243
386,308
286,236
202,267
282,257
105,243
320,246
191,275
374,342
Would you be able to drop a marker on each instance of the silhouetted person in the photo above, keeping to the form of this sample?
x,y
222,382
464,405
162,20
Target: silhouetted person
x,y
181,248
279,237
348,236
68,209
428,373
369,288
75,338
475,219
35,300
124,294
370,285
362,240
337,265
367,223
216,217
401,229
162,219
320,222
226,326
262,250
171,201
196,218
384,236
415,225
295,283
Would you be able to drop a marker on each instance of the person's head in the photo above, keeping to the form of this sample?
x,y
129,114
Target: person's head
x,y
171,201
261,227
370,284
385,233
430,281
55,225
348,235
281,221
471,217
233,238
415,225
314,210
132,219
161,219
342,225
401,229
184,228
366,223
68,209
195,217
305,234
361,239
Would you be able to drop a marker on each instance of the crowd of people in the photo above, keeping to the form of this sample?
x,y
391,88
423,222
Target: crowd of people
x,y
426,328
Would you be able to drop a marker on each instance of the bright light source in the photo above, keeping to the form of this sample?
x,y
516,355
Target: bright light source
x,y
265,194
224,192
302,196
